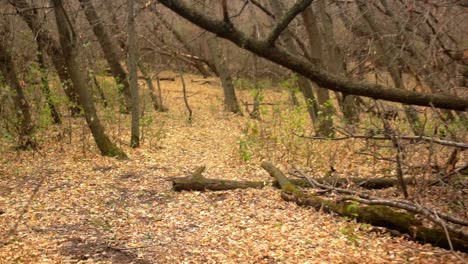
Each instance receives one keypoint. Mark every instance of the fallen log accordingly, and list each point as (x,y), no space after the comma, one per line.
(167,78)
(377,215)
(202,184)
(206,81)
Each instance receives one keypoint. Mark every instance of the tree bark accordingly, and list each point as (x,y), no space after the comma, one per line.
(304,84)
(325,104)
(23,111)
(376,215)
(202,184)
(110,53)
(47,43)
(70,53)
(231,103)
(335,62)
(54,113)
(132,66)
(178,36)
(390,58)
(430,76)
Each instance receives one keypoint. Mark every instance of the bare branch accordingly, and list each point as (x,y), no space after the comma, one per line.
(296,9)
(431,214)
(442,142)
(310,70)
(264,9)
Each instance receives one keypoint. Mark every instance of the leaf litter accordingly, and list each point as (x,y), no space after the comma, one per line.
(67,204)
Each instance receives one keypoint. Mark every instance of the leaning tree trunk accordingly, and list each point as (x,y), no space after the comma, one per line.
(26,127)
(335,62)
(110,53)
(323,96)
(230,99)
(430,75)
(47,43)
(178,36)
(70,52)
(156,97)
(46,89)
(132,66)
(304,84)
(390,58)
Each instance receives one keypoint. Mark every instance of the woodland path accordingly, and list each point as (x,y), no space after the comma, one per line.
(66,205)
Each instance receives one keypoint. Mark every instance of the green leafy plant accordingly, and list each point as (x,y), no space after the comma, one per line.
(350,235)
(244,148)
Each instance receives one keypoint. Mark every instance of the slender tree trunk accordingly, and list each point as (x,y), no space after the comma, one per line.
(47,43)
(26,127)
(132,66)
(98,87)
(110,52)
(326,109)
(430,77)
(184,92)
(178,36)
(304,84)
(335,62)
(277,54)
(70,53)
(46,89)
(257,90)
(389,56)
(230,99)
(155,97)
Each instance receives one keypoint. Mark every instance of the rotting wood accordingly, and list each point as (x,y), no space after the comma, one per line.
(376,215)
(201,183)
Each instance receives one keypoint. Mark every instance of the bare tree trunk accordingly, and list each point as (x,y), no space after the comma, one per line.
(268,50)
(47,43)
(178,36)
(230,99)
(110,51)
(257,90)
(155,97)
(335,62)
(98,87)
(431,78)
(304,84)
(23,112)
(390,58)
(184,92)
(132,66)
(46,89)
(323,96)
(70,53)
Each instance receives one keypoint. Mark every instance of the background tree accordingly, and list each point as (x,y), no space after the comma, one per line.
(23,111)
(70,51)
(110,52)
(132,65)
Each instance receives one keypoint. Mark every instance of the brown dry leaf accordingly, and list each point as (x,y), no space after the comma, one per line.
(68,204)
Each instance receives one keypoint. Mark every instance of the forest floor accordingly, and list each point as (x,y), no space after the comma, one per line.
(66,204)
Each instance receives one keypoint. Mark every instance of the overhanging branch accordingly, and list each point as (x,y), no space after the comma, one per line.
(312,71)
(296,9)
